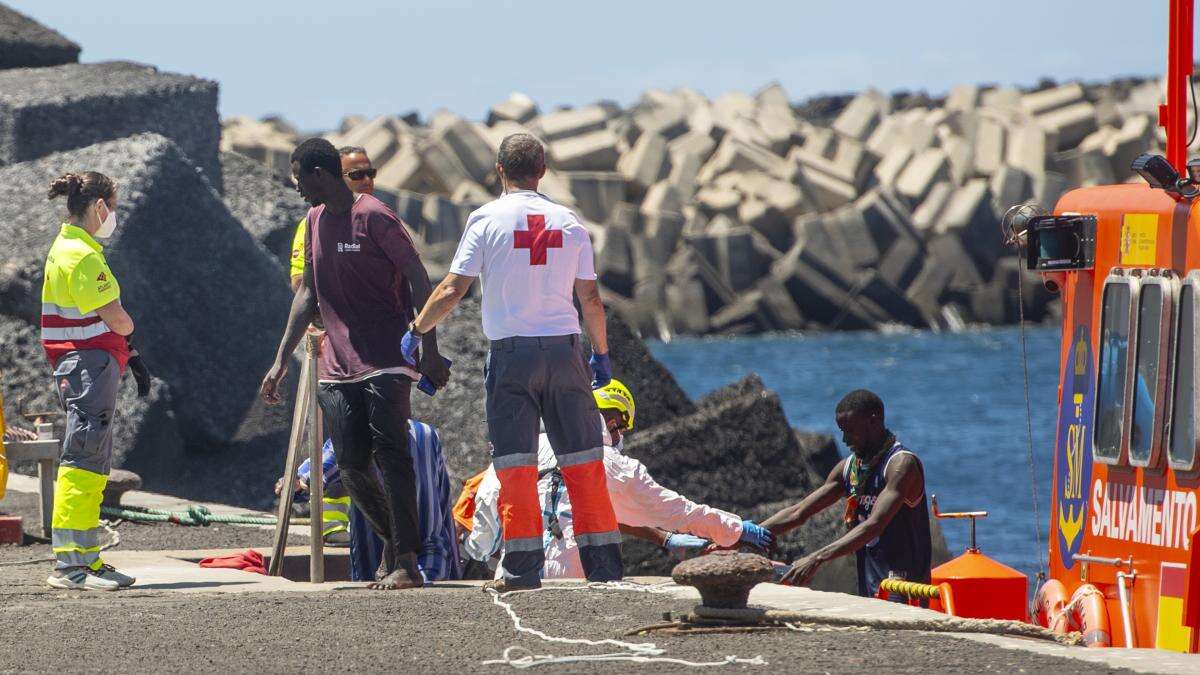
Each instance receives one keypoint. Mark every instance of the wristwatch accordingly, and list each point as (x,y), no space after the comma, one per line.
(412,328)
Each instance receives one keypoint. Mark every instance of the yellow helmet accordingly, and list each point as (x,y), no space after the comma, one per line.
(616,396)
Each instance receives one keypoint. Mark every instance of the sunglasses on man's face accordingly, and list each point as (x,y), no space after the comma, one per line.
(359,174)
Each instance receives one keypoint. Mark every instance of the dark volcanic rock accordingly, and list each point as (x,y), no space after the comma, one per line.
(823,109)
(25,43)
(262,203)
(733,453)
(45,110)
(208,303)
(820,451)
(457,412)
(659,398)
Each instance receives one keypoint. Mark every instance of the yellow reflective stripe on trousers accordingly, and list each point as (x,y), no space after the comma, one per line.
(76,535)
(335,515)
(77,496)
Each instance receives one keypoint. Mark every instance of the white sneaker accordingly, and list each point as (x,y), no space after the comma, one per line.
(111,574)
(79,579)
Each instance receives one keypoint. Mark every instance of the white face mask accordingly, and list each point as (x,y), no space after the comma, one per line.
(108,226)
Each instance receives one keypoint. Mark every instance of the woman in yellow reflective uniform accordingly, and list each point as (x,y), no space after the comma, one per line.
(85,335)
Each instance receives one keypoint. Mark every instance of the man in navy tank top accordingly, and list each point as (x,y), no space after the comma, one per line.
(887,517)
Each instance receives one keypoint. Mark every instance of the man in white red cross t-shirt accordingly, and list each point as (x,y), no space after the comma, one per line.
(532,255)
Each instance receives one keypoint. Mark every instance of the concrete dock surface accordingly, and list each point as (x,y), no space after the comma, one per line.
(180,616)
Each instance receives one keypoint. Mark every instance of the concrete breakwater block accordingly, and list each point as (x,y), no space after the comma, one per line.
(260,141)
(267,208)
(734,436)
(596,193)
(471,148)
(594,151)
(518,107)
(45,110)
(567,123)
(25,43)
(207,322)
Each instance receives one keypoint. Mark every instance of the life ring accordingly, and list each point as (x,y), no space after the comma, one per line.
(1048,605)
(1084,612)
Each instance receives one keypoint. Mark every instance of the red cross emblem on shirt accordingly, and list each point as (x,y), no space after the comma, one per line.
(537,239)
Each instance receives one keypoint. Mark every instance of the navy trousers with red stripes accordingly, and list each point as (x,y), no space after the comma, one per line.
(532,379)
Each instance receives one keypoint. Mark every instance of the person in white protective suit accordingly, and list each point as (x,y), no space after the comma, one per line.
(643,507)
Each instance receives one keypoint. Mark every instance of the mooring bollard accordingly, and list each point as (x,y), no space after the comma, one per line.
(724,578)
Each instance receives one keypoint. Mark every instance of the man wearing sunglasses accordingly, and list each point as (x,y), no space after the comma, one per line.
(357,170)
(359,175)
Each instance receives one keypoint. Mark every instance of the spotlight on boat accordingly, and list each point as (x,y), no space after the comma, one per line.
(1014,226)
(1160,175)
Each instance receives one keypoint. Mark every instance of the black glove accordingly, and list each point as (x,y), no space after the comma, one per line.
(141,374)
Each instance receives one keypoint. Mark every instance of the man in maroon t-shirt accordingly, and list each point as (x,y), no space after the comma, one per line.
(363,273)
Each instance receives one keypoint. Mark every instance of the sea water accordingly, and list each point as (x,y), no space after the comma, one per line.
(956,399)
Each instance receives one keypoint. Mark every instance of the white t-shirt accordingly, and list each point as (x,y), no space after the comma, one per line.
(528,251)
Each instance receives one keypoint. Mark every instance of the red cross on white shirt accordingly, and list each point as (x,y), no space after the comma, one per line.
(537,238)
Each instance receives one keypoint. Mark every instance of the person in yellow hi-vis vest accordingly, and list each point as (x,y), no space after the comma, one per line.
(85,333)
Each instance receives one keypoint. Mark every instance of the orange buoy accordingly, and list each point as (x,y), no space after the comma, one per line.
(984,588)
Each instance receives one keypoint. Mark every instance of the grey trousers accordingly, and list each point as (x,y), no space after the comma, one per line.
(87,382)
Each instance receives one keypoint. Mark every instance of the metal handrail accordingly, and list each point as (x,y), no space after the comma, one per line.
(937,513)
(1100,560)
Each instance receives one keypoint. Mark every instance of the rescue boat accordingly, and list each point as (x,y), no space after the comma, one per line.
(1123,565)
(1123,509)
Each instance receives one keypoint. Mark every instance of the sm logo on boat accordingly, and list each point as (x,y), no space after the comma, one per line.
(1074,452)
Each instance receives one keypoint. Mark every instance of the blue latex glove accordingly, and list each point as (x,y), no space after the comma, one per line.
(679,542)
(601,370)
(409,345)
(757,535)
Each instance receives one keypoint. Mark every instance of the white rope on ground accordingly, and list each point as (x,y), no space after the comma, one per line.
(636,652)
(519,657)
(112,531)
